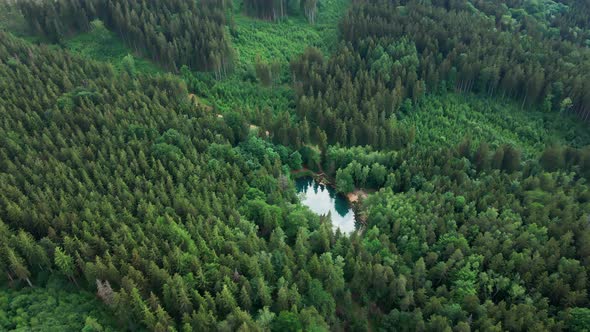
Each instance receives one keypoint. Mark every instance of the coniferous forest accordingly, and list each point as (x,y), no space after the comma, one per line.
(150,150)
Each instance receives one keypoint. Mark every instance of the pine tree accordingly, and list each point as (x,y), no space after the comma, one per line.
(64,263)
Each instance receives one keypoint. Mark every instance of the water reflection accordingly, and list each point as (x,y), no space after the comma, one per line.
(323,200)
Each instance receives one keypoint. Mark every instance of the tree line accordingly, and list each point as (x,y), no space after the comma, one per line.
(388,58)
(563,19)
(172,33)
(274,10)
(468,52)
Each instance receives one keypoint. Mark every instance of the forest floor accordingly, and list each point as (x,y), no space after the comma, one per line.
(357,196)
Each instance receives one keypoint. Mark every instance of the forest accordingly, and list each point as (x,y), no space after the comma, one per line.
(172,33)
(149,151)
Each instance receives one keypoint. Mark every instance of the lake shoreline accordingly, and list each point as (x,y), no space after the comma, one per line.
(354,198)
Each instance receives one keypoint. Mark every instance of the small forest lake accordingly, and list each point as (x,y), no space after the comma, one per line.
(323,199)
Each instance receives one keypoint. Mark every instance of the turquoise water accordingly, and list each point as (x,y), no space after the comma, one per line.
(323,200)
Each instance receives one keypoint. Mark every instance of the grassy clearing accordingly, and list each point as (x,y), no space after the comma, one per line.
(272,42)
(280,41)
(250,37)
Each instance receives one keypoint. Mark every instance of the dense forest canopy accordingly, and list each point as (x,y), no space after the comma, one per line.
(378,67)
(161,196)
(389,58)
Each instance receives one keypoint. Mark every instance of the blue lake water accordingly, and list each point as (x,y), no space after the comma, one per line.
(322,200)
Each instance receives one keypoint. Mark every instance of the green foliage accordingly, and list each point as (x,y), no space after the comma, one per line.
(189,176)
(286,321)
(241,92)
(344,181)
(387,62)
(279,42)
(128,64)
(578,319)
(11,19)
(172,33)
(55,307)
(270,42)
(282,41)
(180,213)
(64,262)
(103,45)
(443,120)
(479,54)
